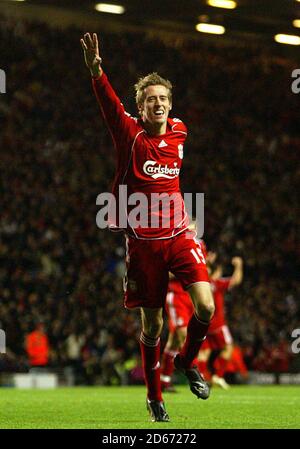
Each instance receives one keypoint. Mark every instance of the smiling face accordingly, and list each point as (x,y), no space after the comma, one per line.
(155,108)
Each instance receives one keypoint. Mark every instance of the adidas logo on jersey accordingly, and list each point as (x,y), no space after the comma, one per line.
(162,144)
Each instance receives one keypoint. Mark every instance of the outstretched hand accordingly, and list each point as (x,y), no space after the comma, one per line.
(91,53)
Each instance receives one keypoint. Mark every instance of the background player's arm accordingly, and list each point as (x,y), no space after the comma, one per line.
(237,275)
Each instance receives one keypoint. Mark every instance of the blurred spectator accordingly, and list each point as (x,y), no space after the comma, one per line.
(37,347)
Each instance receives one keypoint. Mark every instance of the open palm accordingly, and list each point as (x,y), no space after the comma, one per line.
(91,52)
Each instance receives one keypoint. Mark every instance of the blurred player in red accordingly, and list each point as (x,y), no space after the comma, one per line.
(236,367)
(219,342)
(149,152)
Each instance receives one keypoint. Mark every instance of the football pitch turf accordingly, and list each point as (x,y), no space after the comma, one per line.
(242,407)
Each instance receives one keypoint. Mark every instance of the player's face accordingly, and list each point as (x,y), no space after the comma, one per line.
(156,106)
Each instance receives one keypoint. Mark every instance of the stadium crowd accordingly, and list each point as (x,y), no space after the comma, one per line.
(58,268)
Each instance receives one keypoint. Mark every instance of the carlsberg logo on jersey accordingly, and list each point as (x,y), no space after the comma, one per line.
(160,171)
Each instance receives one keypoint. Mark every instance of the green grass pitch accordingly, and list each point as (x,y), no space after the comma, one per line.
(242,407)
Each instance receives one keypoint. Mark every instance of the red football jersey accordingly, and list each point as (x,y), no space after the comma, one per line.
(219,288)
(146,164)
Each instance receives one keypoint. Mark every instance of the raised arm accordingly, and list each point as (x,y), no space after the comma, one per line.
(237,275)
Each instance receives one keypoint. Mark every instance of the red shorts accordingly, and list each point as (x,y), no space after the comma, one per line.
(148,263)
(217,339)
(179,308)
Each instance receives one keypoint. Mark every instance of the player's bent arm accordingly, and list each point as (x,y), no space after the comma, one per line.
(237,275)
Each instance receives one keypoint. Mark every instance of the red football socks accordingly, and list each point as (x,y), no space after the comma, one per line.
(150,351)
(167,366)
(221,366)
(202,368)
(196,332)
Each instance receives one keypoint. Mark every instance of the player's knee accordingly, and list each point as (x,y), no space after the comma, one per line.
(210,309)
(203,301)
(153,328)
(205,310)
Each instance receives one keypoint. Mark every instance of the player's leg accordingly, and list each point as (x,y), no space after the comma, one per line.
(179,309)
(202,359)
(187,263)
(196,332)
(152,321)
(224,349)
(152,324)
(212,359)
(221,366)
(199,323)
(145,286)
(173,345)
